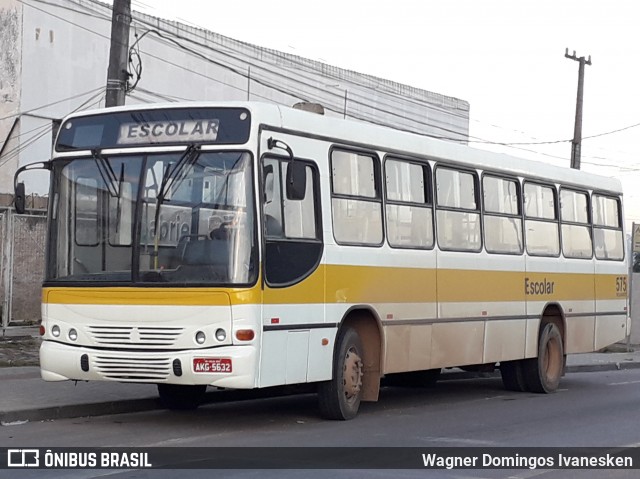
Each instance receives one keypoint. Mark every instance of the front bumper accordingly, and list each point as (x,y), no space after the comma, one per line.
(61,362)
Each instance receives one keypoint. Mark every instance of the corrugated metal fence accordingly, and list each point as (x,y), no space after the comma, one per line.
(22,259)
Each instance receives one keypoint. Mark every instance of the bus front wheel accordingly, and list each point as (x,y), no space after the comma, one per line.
(178,397)
(340,397)
(542,374)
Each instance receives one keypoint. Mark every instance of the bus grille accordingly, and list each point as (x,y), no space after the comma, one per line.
(126,336)
(130,369)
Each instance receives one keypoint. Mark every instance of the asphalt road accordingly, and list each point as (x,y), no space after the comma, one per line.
(596,409)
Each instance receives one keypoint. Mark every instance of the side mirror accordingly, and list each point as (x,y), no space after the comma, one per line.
(20,199)
(296,181)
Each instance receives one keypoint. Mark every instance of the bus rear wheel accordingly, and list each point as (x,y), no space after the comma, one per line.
(340,397)
(178,397)
(542,374)
(513,375)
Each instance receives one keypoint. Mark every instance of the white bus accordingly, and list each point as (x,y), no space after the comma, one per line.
(247,245)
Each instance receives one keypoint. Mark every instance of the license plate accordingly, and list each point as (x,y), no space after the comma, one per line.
(212,365)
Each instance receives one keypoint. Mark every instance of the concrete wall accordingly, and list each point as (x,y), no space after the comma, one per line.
(56,63)
(10,74)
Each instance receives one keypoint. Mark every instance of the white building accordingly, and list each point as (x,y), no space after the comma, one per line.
(54,58)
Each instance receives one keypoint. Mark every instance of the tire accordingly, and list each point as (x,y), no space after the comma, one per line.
(178,397)
(414,379)
(513,375)
(542,374)
(339,398)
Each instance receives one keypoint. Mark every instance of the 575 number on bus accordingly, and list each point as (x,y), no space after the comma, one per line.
(621,285)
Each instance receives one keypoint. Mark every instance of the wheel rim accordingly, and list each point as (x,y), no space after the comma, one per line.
(552,362)
(352,375)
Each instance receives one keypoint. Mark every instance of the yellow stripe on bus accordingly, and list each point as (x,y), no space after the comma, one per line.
(368,284)
(136,296)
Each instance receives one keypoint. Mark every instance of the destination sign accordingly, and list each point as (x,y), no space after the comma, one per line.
(156,126)
(168,132)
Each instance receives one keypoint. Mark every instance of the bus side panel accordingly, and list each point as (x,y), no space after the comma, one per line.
(548,282)
(575,293)
(408,347)
(504,340)
(486,303)
(611,302)
(457,343)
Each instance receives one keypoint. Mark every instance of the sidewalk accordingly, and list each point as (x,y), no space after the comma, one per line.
(24,396)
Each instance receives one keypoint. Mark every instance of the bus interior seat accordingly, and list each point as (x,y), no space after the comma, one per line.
(205,251)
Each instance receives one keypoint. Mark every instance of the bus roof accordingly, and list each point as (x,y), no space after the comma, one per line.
(391,140)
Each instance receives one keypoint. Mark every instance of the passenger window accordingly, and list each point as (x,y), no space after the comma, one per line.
(502,218)
(576,229)
(607,228)
(457,211)
(541,223)
(408,208)
(356,205)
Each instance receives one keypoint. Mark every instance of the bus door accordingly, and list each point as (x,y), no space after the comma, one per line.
(293,279)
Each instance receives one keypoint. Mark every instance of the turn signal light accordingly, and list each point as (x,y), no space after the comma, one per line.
(245,334)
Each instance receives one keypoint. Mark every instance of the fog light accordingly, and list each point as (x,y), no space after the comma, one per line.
(73,334)
(200,337)
(55,331)
(221,334)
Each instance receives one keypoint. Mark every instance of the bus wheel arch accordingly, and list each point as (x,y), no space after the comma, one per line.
(356,367)
(542,374)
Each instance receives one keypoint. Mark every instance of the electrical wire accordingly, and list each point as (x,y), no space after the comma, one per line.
(177,44)
(337,110)
(50,104)
(49,127)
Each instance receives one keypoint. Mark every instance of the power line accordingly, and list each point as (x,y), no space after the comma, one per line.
(50,104)
(157,29)
(175,44)
(27,143)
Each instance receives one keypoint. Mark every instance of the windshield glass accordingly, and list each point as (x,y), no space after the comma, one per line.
(181,218)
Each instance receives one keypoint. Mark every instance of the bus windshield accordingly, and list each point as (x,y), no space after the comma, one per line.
(178,218)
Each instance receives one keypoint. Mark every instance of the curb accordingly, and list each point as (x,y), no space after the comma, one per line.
(151,404)
(78,410)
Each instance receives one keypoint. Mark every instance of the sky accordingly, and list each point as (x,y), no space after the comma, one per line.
(505,57)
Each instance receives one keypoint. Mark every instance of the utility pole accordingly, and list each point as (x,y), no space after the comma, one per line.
(117,74)
(576,144)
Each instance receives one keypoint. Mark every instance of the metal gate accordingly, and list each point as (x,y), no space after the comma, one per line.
(22,261)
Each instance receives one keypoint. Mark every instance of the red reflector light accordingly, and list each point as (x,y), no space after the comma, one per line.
(42,331)
(245,334)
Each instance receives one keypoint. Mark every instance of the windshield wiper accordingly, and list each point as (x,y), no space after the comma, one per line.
(169,178)
(106,172)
